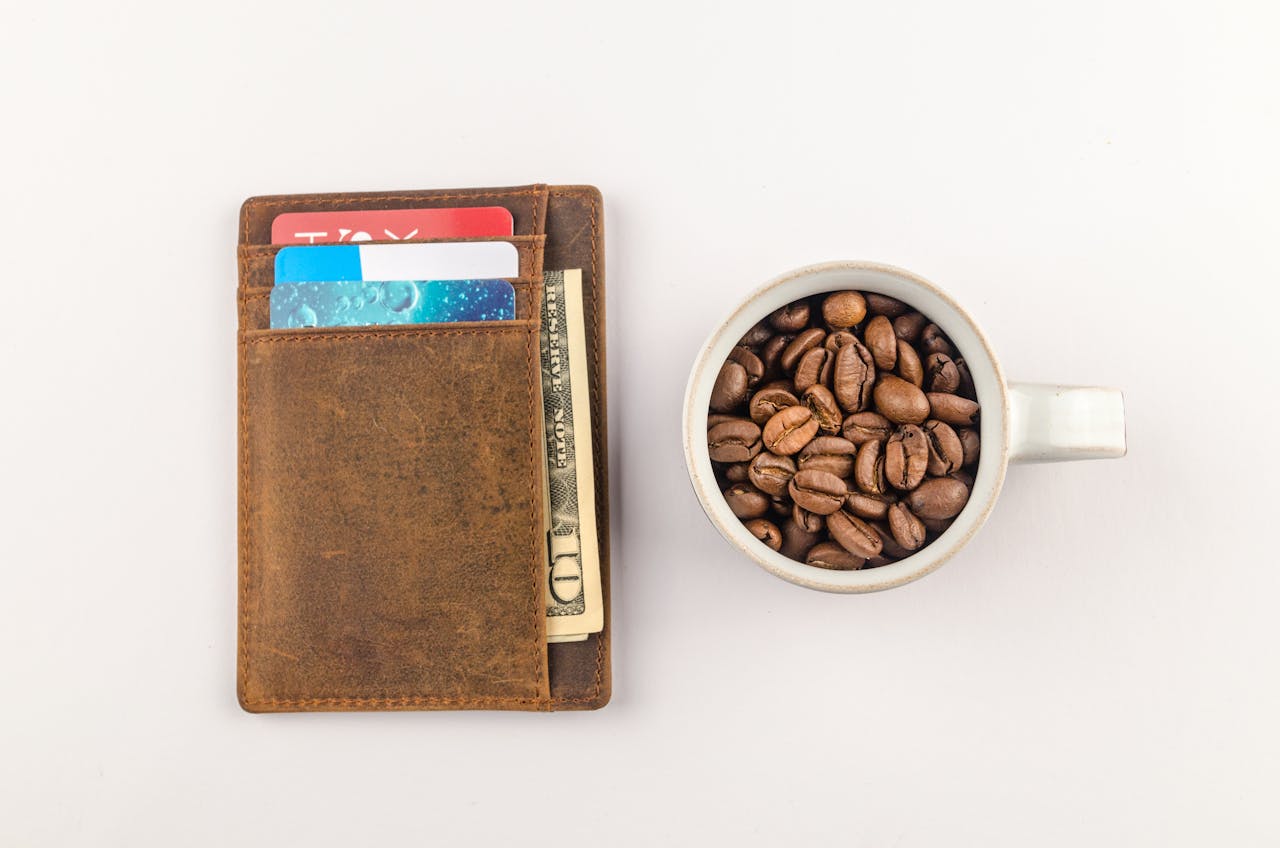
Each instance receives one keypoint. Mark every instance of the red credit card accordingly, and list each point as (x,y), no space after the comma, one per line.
(390,225)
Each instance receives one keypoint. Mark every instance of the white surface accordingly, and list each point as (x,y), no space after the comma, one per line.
(1096,181)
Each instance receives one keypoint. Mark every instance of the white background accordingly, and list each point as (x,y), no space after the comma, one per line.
(1096,181)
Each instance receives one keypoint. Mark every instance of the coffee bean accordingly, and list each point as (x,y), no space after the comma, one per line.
(823,406)
(838,339)
(843,310)
(882,342)
(963,476)
(791,318)
(906,457)
(766,403)
(771,473)
(946,453)
(814,368)
(800,345)
(736,473)
(938,497)
(909,367)
(908,327)
(730,388)
(970,442)
(810,522)
(771,353)
(734,441)
(882,304)
(853,534)
(937,526)
(900,401)
(827,453)
(889,546)
(953,409)
(832,556)
(868,507)
(746,500)
(750,363)
(796,541)
(756,335)
(908,531)
(789,430)
(867,426)
(932,340)
(854,376)
(817,491)
(940,373)
(715,418)
(966,380)
(766,531)
(868,468)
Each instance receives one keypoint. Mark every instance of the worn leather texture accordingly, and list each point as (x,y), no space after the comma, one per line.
(392,539)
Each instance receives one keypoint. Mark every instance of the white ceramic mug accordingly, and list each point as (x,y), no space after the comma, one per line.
(1020,422)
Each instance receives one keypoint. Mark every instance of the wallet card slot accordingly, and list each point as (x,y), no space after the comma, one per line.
(527,205)
(257,261)
(391,527)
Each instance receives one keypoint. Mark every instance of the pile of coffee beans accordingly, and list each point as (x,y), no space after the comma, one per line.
(841,428)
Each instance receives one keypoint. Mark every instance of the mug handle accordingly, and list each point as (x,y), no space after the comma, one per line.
(1051,423)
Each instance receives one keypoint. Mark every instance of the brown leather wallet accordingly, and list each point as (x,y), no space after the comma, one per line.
(392,544)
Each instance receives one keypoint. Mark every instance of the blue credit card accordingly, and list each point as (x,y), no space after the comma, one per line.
(353,303)
(461,260)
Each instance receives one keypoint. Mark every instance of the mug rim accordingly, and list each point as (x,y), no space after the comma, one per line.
(992,464)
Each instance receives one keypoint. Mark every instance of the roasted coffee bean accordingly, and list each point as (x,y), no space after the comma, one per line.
(877,561)
(838,339)
(766,531)
(900,401)
(756,335)
(953,409)
(938,497)
(766,403)
(908,531)
(940,373)
(791,318)
(909,367)
(746,500)
(966,380)
(810,522)
(908,327)
(937,526)
(853,534)
(963,476)
(796,541)
(868,507)
(771,353)
(715,418)
(882,342)
(868,468)
(827,453)
(817,491)
(854,376)
(814,368)
(882,304)
(932,340)
(771,473)
(730,389)
(867,426)
(832,556)
(735,441)
(824,408)
(946,453)
(750,363)
(789,430)
(906,457)
(888,545)
(800,345)
(970,442)
(843,310)
(736,473)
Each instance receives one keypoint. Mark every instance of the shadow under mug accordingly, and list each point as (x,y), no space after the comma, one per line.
(1020,422)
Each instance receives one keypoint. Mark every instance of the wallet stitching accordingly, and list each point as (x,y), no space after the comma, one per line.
(404,700)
